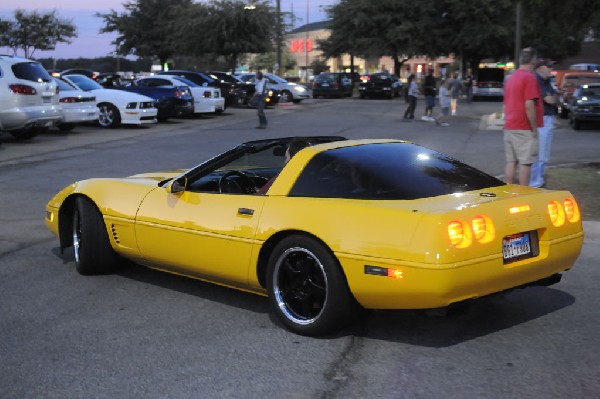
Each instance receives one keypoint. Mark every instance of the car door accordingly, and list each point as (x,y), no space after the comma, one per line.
(207,235)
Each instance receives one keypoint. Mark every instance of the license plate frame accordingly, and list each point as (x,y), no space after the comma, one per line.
(518,246)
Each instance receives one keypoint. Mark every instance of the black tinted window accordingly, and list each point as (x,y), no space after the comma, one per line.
(32,71)
(398,171)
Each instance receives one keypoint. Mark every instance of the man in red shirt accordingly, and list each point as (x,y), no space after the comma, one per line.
(523,114)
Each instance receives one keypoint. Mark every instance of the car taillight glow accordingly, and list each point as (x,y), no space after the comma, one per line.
(395,273)
(520,208)
(70,100)
(462,233)
(483,229)
(179,93)
(572,210)
(22,89)
(556,213)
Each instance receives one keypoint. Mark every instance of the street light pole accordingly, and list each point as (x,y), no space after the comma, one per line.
(278,38)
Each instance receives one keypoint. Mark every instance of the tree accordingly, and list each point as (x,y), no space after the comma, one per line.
(34,30)
(396,28)
(236,27)
(148,28)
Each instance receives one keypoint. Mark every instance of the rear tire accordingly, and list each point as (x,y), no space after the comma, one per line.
(91,246)
(575,123)
(66,127)
(24,134)
(307,287)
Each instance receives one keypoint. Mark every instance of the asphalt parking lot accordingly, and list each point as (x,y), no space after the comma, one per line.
(142,333)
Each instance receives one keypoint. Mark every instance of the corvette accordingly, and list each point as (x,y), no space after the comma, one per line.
(345,225)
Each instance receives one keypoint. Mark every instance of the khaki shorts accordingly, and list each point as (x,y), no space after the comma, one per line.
(520,146)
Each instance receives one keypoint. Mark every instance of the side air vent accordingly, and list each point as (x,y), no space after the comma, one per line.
(115,235)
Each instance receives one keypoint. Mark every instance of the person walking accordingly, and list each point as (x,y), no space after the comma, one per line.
(550,99)
(429,89)
(445,101)
(262,85)
(455,89)
(413,92)
(523,115)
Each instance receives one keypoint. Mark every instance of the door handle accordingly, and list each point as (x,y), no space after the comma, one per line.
(246,211)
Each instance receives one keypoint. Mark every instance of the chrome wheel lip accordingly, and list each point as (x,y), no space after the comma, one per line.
(76,235)
(289,313)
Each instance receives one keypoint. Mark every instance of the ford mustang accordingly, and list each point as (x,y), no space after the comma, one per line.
(345,225)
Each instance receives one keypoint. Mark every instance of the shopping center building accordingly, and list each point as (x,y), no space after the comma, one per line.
(302,46)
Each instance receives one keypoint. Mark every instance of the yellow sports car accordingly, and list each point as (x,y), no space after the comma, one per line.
(342,226)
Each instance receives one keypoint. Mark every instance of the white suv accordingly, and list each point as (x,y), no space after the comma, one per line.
(28,98)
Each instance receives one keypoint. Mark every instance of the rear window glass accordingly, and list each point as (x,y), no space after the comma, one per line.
(395,171)
(31,71)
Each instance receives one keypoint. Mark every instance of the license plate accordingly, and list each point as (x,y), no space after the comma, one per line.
(46,100)
(325,84)
(516,247)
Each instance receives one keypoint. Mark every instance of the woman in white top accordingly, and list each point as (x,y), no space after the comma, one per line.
(262,87)
(413,92)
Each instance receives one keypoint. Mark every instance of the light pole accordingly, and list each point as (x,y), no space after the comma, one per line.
(278,37)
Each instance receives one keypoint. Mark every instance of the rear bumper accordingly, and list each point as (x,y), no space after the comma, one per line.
(424,286)
(21,117)
(81,114)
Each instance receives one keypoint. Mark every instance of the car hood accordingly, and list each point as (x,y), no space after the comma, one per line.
(588,101)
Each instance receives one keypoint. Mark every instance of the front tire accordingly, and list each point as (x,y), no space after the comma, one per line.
(307,288)
(109,116)
(91,246)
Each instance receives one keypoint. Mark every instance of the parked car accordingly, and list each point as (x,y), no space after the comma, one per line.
(379,85)
(346,225)
(585,105)
(117,106)
(567,82)
(332,84)
(173,99)
(239,90)
(489,82)
(77,105)
(207,99)
(288,91)
(228,91)
(79,71)
(28,98)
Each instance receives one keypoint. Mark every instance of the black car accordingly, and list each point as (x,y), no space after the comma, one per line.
(379,85)
(228,90)
(332,84)
(585,105)
(240,91)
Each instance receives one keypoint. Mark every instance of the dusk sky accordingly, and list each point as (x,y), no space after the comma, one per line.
(90,44)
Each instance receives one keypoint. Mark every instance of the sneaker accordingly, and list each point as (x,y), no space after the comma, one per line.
(444,124)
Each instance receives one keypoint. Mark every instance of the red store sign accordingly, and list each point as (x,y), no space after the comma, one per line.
(301,46)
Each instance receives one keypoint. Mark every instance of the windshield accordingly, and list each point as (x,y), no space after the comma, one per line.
(64,86)
(185,81)
(84,83)
(275,78)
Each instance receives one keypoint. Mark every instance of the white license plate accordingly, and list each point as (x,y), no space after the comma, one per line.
(325,84)
(46,100)
(515,247)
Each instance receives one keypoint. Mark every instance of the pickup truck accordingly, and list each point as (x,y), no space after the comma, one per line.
(171,101)
(569,80)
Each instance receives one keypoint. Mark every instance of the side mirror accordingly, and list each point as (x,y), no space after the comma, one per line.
(177,185)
